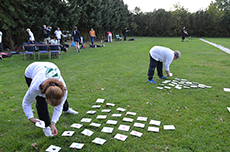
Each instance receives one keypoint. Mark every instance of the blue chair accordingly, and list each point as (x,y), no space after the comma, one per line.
(54,49)
(28,50)
(42,50)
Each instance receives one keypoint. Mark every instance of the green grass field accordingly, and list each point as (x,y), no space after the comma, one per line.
(118,73)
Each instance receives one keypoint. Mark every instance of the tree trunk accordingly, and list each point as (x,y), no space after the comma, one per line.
(8,40)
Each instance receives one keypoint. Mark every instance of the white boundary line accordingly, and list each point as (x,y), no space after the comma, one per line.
(227,50)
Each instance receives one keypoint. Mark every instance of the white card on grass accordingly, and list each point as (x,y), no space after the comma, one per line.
(136,133)
(120,109)
(120,137)
(110,104)
(99,141)
(86,119)
(106,110)
(155,122)
(75,125)
(91,112)
(111,122)
(116,115)
(101,116)
(76,145)
(178,87)
(169,127)
(87,132)
(227,89)
(107,129)
(153,129)
(95,124)
(128,119)
(124,127)
(67,133)
(100,100)
(96,106)
(166,87)
(142,118)
(160,88)
(141,125)
(131,113)
(53,148)
(228,109)
(40,124)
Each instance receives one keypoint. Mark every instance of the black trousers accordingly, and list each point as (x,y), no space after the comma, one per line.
(42,106)
(152,65)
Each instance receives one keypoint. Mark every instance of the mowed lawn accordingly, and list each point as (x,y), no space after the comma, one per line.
(118,74)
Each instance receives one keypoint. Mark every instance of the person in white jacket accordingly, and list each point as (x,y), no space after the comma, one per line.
(158,55)
(47,86)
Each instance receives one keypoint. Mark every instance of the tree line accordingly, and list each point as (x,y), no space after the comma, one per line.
(107,15)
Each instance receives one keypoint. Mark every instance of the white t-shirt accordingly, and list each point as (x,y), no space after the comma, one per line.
(31,36)
(58,34)
(0,37)
(162,54)
(39,72)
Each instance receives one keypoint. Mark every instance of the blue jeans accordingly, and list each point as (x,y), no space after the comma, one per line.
(92,40)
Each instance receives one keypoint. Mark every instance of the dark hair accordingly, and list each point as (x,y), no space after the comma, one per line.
(54,91)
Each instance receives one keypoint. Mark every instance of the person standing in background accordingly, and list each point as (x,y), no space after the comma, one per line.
(183,34)
(76,36)
(31,36)
(1,48)
(110,38)
(125,33)
(46,33)
(92,35)
(58,34)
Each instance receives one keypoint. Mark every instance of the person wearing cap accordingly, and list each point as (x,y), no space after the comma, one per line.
(158,55)
(47,86)
(31,36)
(46,33)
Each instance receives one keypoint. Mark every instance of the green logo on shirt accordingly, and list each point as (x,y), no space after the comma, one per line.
(51,72)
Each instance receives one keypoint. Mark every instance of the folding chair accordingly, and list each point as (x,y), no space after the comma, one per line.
(42,50)
(28,50)
(54,49)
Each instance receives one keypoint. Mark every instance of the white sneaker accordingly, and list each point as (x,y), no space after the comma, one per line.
(47,131)
(71,111)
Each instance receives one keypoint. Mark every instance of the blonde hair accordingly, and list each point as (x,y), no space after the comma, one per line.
(54,91)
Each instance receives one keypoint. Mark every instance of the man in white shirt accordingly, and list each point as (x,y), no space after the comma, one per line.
(58,34)
(31,36)
(1,48)
(158,55)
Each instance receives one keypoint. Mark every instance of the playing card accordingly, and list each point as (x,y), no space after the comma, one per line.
(172,85)
(160,88)
(91,112)
(95,124)
(177,79)
(208,86)
(121,109)
(160,84)
(155,122)
(120,137)
(40,124)
(76,145)
(99,141)
(141,125)
(100,100)
(186,87)
(128,119)
(142,118)
(86,119)
(101,116)
(188,82)
(53,148)
(87,132)
(111,122)
(153,129)
(228,109)
(166,87)
(116,115)
(227,89)
(67,133)
(106,110)
(110,104)
(201,85)
(96,106)
(169,127)
(124,127)
(107,129)
(131,113)
(136,133)
(178,87)
(75,125)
